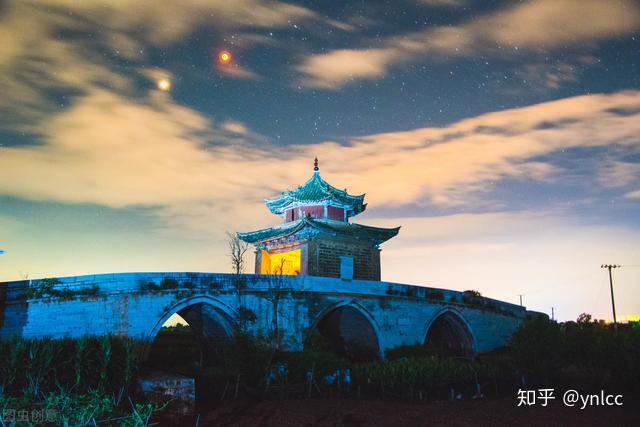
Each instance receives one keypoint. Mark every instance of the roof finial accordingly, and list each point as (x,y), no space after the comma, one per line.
(315,165)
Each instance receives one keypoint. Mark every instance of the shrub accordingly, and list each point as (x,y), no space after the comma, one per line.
(32,367)
(404,375)
(434,295)
(61,408)
(408,352)
(168,283)
(46,288)
(41,288)
(148,285)
(535,348)
(246,315)
(472,298)
(587,354)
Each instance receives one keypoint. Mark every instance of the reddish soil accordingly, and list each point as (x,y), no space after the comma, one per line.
(347,412)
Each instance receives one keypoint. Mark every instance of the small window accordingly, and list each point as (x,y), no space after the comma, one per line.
(346,267)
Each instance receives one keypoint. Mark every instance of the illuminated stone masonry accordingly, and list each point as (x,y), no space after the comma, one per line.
(316,272)
(371,316)
(316,237)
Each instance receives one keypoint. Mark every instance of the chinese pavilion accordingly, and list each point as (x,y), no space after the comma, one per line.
(316,237)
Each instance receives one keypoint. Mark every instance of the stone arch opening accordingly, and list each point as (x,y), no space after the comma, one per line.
(449,335)
(347,332)
(194,330)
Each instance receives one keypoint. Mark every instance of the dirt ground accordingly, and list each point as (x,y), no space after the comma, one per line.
(347,412)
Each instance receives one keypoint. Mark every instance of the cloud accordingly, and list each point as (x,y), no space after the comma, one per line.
(458,164)
(112,145)
(36,60)
(535,26)
(104,138)
(114,151)
(615,173)
(341,66)
(548,76)
(165,22)
(445,3)
(235,70)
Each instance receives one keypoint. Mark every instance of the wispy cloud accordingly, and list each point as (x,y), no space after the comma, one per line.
(116,152)
(445,3)
(235,70)
(35,59)
(115,145)
(548,76)
(534,26)
(616,173)
(343,66)
(456,164)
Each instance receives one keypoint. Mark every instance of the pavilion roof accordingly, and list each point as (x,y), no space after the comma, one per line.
(316,191)
(311,227)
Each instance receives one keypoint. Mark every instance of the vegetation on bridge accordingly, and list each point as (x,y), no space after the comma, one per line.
(51,288)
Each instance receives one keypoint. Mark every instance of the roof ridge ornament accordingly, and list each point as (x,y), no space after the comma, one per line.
(315,165)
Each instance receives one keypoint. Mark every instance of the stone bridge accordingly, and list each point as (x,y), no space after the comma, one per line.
(356,317)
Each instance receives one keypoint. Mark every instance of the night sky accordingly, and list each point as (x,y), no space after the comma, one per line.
(503,136)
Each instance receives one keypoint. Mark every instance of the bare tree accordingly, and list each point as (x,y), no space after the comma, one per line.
(237,249)
(275,285)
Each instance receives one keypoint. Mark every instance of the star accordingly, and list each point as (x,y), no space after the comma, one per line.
(164,85)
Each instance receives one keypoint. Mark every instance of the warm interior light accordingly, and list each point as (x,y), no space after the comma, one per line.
(286,263)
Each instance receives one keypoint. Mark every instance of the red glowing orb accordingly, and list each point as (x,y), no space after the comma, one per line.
(224,57)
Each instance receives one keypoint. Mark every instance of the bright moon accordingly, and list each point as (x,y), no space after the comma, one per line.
(224,57)
(164,85)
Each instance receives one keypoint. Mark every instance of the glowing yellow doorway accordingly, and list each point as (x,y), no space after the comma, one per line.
(287,263)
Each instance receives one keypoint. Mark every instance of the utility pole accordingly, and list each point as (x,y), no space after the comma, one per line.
(613,302)
(553,313)
(520,295)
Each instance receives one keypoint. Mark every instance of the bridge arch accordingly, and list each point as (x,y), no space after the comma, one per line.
(449,332)
(349,330)
(210,319)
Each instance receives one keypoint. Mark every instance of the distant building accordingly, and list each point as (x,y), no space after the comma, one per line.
(316,237)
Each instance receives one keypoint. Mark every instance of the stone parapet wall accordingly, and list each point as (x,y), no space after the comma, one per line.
(137,304)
